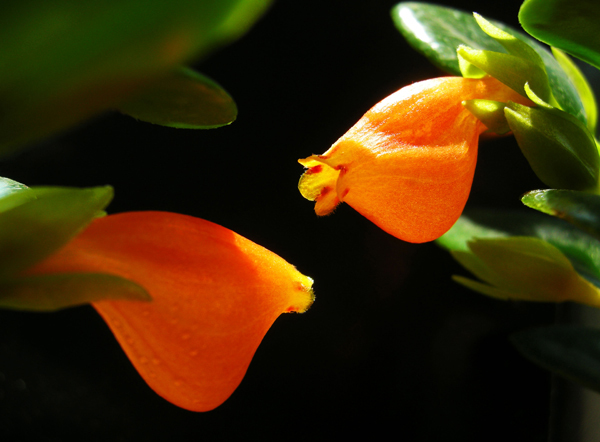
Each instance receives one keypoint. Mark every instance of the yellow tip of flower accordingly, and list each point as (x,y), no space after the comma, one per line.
(318,184)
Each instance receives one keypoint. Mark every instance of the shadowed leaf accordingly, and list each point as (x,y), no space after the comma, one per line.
(567,350)
(49,293)
(571,25)
(64,61)
(581,209)
(35,229)
(184,99)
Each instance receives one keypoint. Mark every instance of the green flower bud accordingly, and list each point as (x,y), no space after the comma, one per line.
(490,113)
(524,268)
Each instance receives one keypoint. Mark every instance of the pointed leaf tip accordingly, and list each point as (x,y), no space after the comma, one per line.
(579,208)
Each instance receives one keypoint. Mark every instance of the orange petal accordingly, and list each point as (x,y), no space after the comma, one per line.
(408,163)
(215,295)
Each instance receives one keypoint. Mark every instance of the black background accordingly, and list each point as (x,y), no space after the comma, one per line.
(392,348)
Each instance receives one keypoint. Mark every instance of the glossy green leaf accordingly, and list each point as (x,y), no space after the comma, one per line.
(570,25)
(35,229)
(184,99)
(63,60)
(8,186)
(581,209)
(567,350)
(582,250)
(47,293)
(559,148)
(583,88)
(8,194)
(437,31)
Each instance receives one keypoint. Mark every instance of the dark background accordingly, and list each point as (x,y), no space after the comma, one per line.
(392,348)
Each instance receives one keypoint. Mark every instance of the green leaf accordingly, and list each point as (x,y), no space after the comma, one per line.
(64,61)
(8,186)
(581,209)
(582,250)
(33,230)
(438,31)
(509,42)
(184,99)
(47,293)
(571,25)
(13,193)
(567,350)
(583,88)
(559,148)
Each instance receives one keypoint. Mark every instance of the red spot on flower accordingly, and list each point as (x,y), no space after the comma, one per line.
(315,169)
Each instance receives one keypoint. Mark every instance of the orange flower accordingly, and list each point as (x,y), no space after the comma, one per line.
(407,165)
(215,295)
